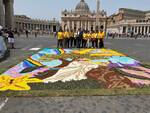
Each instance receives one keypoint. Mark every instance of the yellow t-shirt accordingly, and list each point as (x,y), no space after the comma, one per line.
(71,34)
(60,35)
(89,35)
(66,35)
(84,35)
(94,35)
(101,35)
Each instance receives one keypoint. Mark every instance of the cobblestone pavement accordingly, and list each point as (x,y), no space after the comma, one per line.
(113,104)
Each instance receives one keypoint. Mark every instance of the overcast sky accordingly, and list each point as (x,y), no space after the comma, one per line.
(48,9)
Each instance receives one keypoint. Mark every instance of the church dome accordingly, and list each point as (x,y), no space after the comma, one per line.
(82,6)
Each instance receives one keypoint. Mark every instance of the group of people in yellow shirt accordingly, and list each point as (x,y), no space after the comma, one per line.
(80,39)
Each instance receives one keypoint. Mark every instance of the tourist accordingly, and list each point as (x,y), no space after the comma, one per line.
(66,39)
(11,39)
(71,42)
(75,38)
(79,38)
(27,33)
(101,36)
(5,34)
(84,40)
(96,40)
(35,34)
(93,39)
(88,39)
(60,39)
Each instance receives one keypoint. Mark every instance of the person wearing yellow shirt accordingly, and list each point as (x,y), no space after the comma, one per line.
(96,39)
(88,39)
(85,36)
(60,39)
(66,39)
(94,36)
(71,40)
(101,36)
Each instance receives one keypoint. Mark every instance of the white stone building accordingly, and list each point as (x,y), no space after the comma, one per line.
(129,20)
(82,17)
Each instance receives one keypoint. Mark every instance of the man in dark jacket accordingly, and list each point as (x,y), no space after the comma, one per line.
(79,38)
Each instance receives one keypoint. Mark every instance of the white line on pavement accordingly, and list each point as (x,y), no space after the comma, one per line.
(3,103)
(35,49)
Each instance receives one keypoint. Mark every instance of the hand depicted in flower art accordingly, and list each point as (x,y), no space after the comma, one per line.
(138,75)
(109,78)
(17,84)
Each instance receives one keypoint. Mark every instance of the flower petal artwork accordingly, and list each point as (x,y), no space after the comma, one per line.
(106,67)
(19,83)
(74,71)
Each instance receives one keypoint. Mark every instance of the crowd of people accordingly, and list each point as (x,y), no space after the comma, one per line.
(80,39)
(66,39)
(8,35)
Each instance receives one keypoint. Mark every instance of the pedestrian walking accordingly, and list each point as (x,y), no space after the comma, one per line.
(11,39)
(35,34)
(27,33)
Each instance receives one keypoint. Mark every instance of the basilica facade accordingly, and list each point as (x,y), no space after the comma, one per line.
(82,17)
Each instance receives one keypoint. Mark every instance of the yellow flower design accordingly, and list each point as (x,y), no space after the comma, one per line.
(106,53)
(82,51)
(17,84)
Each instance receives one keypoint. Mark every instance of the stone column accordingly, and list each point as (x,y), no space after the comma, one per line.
(89,26)
(141,29)
(2,15)
(85,25)
(144,30)
(148,29)
(94,26)
(68,25)
(137,29)
(62,25)
(9,13)
(73,24)
(127,29)
(78,25)
(52,28)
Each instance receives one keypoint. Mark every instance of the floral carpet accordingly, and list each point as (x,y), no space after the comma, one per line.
(87,68)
